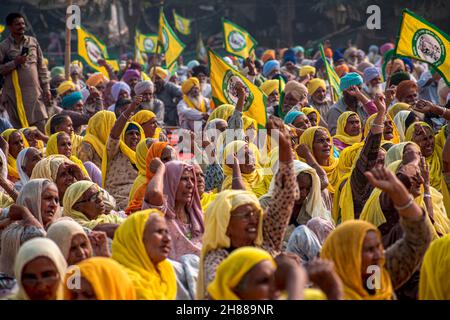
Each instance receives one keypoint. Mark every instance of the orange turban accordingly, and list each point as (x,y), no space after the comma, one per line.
(96,79)
(342,70)
(268,55)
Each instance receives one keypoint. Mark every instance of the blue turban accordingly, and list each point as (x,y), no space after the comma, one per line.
(337,55)
(289,55)
(371,73)
(373,48)
(409,63)
(350,79)
(298,49)
(319,63)
(291,116)
(71,99)
(269,66)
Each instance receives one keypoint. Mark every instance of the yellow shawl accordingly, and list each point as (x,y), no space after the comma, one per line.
(19,100)
(141,154)
(75,138)
(73,193)
(343,136)
(231,271)
(190,104)
(150,282)
(52,148)
(332,168)
(217,217)
(253,181)
(12,165)
(344,247)
(434,282)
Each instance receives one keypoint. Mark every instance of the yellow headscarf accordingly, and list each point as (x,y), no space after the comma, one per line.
(217,217)
(332,168)
(75,138)
(73,193)
(108,279)
(440,138)
(124,148)
(206,199)
(35,248)
(373,213)
(434,282)
(141,155)
(344,247)
(144,116)
(231,271)
(222,112)
(253,181)
(437,179)
(368,125)
(347,158)
(52,148)
(343,136)
(270,86)
(12,165)
(151,282)
(396,108)
(308,110)
(185,88)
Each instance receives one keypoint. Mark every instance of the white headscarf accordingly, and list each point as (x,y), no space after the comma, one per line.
(31,195)
(4,172)
(35,248)
(24,178)
(314,205)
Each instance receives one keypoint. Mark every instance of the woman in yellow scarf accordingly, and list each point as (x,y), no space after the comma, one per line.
(250,171)
(396,108)
(101,279)
(235,268)
(149,123)
(44,254)
(390,134)
(83,202)
(60,143)
(313,115)
(16,142)
(348,131)
(63,122)
(319,142)
(441,136)
(345,247)
(223,112)
(139,246)
(141,154)
(422,134)
(434,283)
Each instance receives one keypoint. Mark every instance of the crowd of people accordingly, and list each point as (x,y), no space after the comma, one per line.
(128,186)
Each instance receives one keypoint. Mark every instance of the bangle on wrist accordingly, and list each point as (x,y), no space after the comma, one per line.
(405,206)
(381,126)
(427,195)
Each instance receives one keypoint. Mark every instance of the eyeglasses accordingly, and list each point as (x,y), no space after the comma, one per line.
(92,198)
(31,282)
(245,215)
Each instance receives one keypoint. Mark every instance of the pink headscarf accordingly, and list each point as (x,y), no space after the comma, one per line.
(174,171)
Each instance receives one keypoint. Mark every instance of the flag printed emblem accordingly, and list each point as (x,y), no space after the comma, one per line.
(230,80)
(428,46)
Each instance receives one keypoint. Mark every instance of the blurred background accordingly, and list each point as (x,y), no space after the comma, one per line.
(273,23)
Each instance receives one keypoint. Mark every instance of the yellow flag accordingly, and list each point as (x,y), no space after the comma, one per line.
(183,25)
(223,83)
(2,28)
(238,42)
(146,42)
(91,49)
(168,40)
(332,76)
(421,40)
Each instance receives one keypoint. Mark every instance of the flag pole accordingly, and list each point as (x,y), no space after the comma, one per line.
(67,49)
(161,4)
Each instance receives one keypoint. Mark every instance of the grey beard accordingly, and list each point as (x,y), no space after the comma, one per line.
(197,100)
(147,105)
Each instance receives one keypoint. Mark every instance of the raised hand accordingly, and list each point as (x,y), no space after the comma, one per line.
(303,151)
(423,106)
(424,171)
(383,179)
(156,165)
(322,274)
(380,102)
(99,243)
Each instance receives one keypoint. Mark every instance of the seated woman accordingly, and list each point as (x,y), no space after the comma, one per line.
(348,131)
(16,142)
(298,120)
(249,273)
(142,244)
(26,161)
(313,115)
(173,190)
(390,132)
(18,225)
(405,151)
(355,246)
(434,282)
(149,123)
(101,279)
(63,123)
(119,165)
(402,121)
(60,143)
(83,202)
(161,150)
(40,271)
(247,167)
(235,219)
(71,239)
(422,134)
(93,146)
(318,140)
(41,197)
